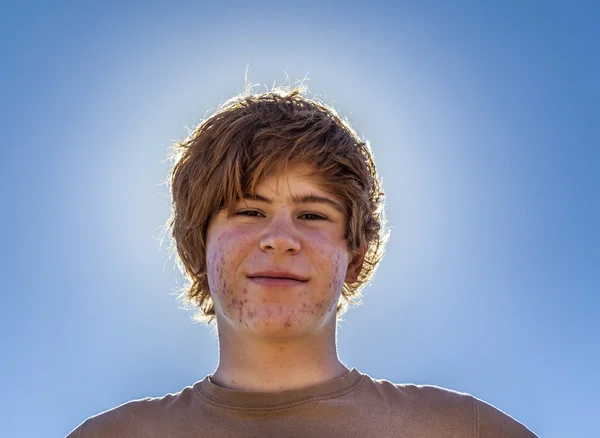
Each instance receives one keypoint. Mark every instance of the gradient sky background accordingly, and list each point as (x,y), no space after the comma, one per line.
(484,121)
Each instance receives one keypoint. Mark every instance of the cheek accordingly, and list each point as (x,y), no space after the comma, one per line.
(330,262)
(221,262)
(338,270)
(329,259)
(224,256)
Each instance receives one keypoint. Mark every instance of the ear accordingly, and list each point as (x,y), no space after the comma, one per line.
(355,266)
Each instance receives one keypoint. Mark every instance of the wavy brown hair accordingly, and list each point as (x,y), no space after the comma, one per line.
(253,136)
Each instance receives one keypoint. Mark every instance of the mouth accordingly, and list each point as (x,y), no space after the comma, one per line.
(277,279)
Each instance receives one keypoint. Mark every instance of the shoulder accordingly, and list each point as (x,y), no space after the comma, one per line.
(423,396)
(492,422)
(444,410)
(140,417)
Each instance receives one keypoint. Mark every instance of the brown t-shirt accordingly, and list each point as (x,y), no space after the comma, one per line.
(354,405)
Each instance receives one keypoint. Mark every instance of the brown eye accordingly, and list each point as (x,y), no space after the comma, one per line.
(248,213)
(313,217)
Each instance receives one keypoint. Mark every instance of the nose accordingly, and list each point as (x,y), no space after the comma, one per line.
(280,237)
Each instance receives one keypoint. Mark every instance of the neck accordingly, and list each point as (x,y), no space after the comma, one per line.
(251,363)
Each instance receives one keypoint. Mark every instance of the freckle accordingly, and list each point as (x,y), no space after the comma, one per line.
(244,291)
(246,300)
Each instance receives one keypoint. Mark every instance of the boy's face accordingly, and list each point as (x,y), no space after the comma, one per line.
(277,265)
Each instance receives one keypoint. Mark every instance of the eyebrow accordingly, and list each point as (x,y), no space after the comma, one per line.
(300,199)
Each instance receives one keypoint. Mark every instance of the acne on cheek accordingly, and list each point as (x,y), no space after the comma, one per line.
(238,305)
(313,308)
(320,306)
(222,291)
(340,270)
(215,266)
(217,281)
(337,274)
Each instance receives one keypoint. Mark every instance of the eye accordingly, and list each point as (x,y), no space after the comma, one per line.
(248,213)
(313,216)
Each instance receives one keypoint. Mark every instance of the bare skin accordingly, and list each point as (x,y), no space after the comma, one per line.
(278,334)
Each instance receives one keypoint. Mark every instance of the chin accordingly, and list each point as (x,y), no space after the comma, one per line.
(279,325)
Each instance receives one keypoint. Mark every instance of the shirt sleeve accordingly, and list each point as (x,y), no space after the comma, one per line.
(491,422)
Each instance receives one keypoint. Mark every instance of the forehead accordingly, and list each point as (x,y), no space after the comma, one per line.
(294,176)
(295,179)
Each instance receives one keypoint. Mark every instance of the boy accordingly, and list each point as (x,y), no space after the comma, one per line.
(278,221)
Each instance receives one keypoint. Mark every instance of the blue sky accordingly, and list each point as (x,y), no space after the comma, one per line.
(484,122)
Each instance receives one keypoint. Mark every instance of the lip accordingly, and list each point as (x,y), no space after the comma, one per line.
(279,282)
(283,275)
(277,278)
